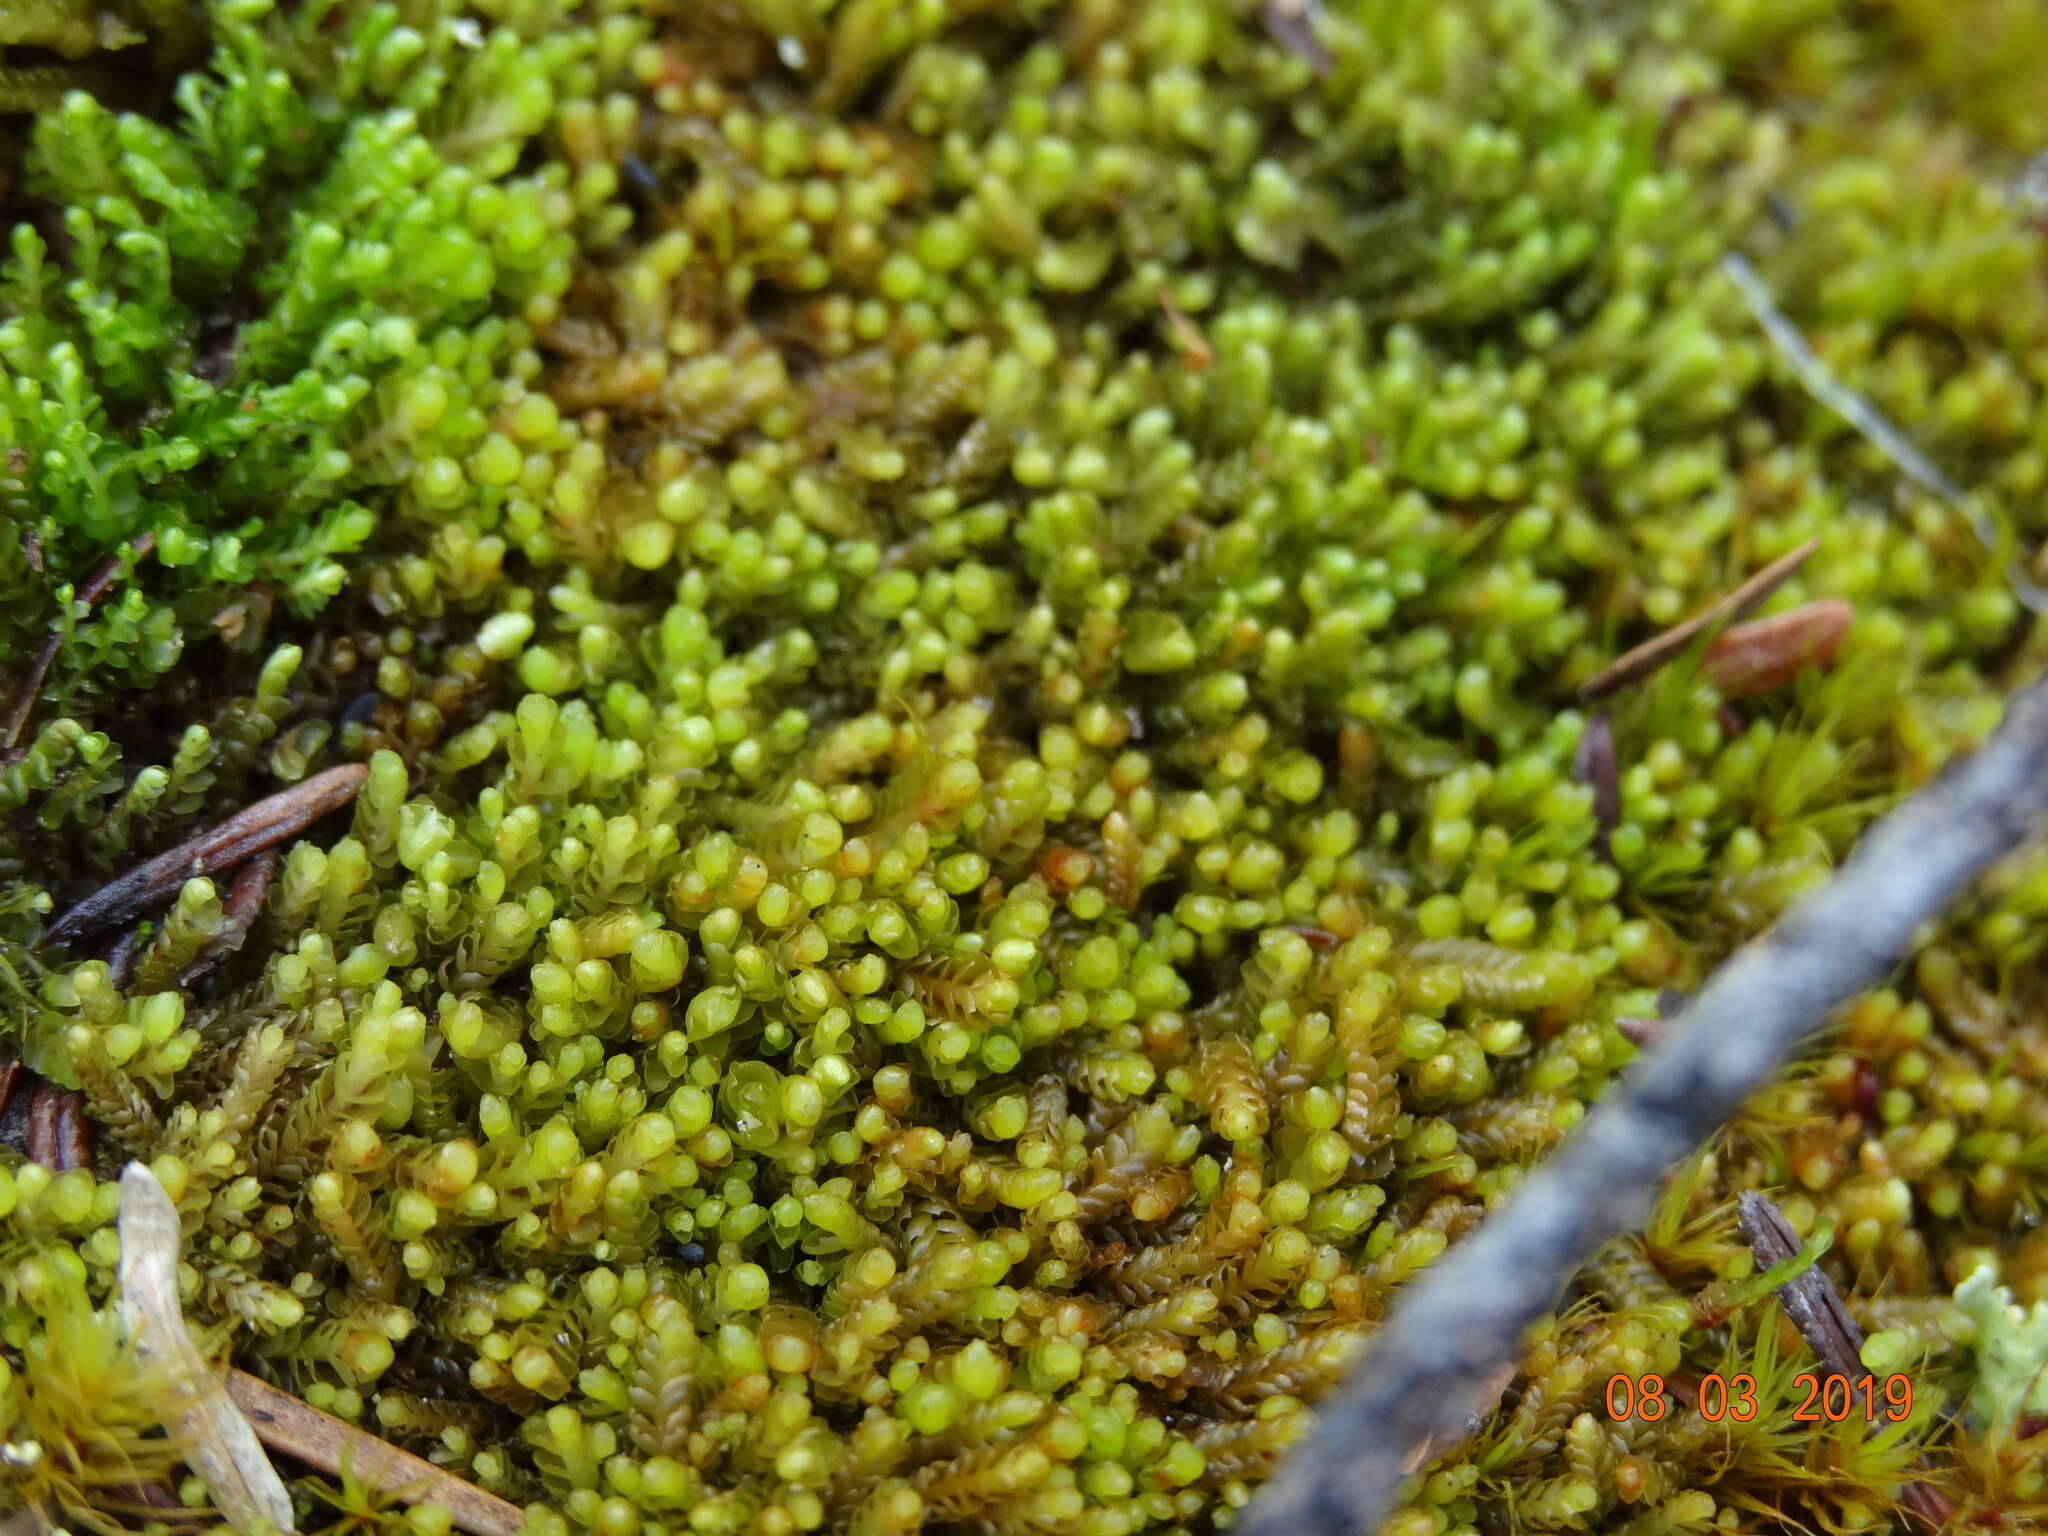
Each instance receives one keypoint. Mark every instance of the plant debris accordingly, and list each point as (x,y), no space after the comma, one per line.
(244,905)
(1748,659)
(1815,1309)
(43,1122)
(1291,24)
(1808,1299)
(218,1441)
(289,1424)
(1637,663)
(263,825)
(1593,764)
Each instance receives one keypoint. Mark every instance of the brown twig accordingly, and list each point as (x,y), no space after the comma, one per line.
(1638,663)
(1808,1298)
(1815,1309)
(89,592)
(263,825)
(288,1424)
(1430,1365)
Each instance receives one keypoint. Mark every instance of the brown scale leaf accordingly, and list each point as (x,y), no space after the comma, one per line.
(1748,659)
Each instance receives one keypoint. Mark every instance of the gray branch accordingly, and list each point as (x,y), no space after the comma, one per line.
(1427,1374)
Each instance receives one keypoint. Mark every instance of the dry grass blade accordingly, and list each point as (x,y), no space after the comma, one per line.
(204,1421)
(287,1424)
(263,825)
(1636,664)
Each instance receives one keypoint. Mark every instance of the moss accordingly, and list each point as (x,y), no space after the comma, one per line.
(965,622)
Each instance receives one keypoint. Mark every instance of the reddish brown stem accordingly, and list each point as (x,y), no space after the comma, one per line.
(89,592)
(244,905)
(263,825)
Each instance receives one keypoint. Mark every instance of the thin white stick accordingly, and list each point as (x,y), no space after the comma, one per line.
(211,1431)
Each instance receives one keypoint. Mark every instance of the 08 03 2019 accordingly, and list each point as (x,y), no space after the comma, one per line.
(1823,1398)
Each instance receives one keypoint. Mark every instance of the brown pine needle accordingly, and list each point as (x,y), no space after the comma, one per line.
(263,825)
(1634,665)
(295,1427)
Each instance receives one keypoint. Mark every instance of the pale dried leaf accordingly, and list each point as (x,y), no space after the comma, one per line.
(217,1441)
